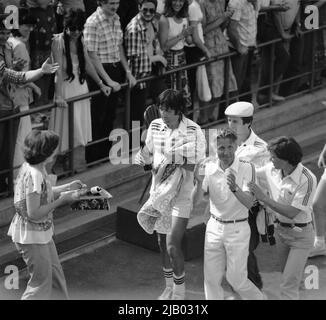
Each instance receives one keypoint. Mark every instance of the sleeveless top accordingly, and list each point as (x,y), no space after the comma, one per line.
(175,29)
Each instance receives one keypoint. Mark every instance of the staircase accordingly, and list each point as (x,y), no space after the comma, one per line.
(303,117)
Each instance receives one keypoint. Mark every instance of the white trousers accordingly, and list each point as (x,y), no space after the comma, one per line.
(227,247)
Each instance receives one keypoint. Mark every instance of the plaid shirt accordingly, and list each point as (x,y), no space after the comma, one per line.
(136,44)
(103,35)
(8,76)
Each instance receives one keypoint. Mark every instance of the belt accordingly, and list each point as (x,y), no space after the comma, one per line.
(291,225)
(227,221)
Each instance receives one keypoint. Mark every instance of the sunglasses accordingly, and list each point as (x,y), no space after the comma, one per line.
(148,10)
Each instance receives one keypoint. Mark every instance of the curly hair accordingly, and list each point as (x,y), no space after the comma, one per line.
(169,12)
(40,145)
(75,20)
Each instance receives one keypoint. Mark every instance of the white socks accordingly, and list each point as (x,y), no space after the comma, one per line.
(168,276)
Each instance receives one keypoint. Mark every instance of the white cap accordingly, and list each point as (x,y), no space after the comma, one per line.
(240,109)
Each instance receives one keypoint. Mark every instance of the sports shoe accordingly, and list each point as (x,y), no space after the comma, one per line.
(319,249)
(166,294)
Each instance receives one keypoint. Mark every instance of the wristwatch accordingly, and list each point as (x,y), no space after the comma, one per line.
(235,189)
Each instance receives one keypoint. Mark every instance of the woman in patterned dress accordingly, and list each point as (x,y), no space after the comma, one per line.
(174,31)
(31,228)
(214,17)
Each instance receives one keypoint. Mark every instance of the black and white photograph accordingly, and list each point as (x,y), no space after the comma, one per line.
(162,150)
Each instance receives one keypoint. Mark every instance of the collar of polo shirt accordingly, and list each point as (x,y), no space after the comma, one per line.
(182,125)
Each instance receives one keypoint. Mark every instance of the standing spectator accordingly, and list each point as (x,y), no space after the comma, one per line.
(69,52)
(40,43)
(319,209)
(165,140)
(197,50)
(7,77)
(22,95)
(225,179)
(140,44)
(278,25)
(174,31)
(31,228)
(214,16)
(104,42)
(292,189)
(127,10)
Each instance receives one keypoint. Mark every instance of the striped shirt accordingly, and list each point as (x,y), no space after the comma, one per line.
(103,35)
(160,139)
(254,150)
(223,203)
(136,44)
(297,190)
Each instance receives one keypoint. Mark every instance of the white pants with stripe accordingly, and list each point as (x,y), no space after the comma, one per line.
(227,247)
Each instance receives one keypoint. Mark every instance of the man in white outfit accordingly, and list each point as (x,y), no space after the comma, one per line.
(225,178)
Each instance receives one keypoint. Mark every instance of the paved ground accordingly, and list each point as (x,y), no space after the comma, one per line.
(123,271)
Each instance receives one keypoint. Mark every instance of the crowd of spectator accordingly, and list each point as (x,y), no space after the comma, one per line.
(104,43)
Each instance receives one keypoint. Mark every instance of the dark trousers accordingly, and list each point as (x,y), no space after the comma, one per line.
(103,113)
(241,65)
(138,104)
(7,152)
(253,271)
(281,56)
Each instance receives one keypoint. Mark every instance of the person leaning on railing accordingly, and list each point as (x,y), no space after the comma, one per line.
(7,108)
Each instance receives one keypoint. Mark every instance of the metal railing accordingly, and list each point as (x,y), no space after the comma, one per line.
(226,98)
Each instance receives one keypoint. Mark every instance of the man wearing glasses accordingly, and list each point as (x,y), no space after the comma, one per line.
(140,44)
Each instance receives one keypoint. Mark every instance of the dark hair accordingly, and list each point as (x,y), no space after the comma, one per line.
(286,148)
(174,100)
(141,2)
(40,145)
(24,18)
(247,120)
(226,133)
(75,19)
(169,12)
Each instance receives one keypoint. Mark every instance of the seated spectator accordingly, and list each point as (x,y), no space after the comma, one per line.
(69,52)
(22,95)
(40,43)
(140,44)
(277,25)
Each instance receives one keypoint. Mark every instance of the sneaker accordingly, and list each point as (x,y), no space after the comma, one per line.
(166,294)
(319,249)
(178,295)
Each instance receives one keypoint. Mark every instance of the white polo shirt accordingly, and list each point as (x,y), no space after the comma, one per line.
(297,190)
(254,150)
(223,202)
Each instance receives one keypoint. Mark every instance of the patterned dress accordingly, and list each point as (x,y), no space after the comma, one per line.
(217,45)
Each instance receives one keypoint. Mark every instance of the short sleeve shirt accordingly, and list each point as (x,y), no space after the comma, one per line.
(223,203)
(297,190)
(104,36)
